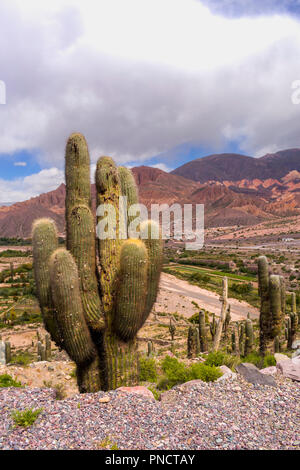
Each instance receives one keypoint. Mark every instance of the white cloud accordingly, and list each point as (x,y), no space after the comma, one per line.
(20,164)
(138,77)
(22,189)
(162,166)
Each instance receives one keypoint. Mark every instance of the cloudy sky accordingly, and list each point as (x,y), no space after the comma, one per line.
(155,82)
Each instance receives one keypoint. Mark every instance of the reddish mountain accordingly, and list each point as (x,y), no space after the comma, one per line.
(236,167)
(236,200)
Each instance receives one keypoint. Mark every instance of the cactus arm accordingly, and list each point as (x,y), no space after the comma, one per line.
(77,174)
(132,288)
(82,240)
(283,296)
(108,192)
(44,242)
(77,340)
(275,304)
(154,246)
(265,318)
(129,190)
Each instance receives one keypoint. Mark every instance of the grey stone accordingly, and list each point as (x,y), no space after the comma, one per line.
(280,357)
(2,353)
(296,344)
(272,370)
(253,375)
(227,374)
(290,368)
(296,353)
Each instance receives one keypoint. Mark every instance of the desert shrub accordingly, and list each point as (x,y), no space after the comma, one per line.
(259,361)
(220,358)
(176,373)
(242,288)
(22,359)
(195,318)
(7,381)
(155,391)
(25,418)
(204,372)
(60,391)
(148,372)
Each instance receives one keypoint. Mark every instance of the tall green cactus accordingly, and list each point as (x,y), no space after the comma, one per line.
(249,337)
(292,322)
(202,332)
(193,342)
(92,312)
(272,294)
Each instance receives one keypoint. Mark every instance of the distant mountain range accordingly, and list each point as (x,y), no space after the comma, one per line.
(236,190)
(235,167)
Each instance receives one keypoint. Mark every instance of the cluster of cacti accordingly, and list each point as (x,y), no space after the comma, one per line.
(43,347)
(202,332)
(193,342)
(95,313)
(272,309)
(172,328)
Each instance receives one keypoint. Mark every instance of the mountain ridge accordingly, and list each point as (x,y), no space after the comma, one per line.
(230,197)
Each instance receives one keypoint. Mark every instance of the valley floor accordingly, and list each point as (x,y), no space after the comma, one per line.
(176,295)
(231,414)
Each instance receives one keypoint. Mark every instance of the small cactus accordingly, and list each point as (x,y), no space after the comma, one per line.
(213,326)
(193,342)
(7,352)
(172,329)
(48,346)
(248,337)
(272,295)
(202,332)
(277,344)
(150,347)
(41,351)
(242,339)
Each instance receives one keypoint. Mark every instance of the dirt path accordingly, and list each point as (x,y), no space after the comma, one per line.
(177,295)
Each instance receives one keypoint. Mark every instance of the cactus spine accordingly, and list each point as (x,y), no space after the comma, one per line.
(95,314)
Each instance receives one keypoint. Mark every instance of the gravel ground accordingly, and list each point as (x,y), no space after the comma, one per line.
(226,415)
